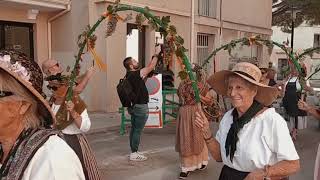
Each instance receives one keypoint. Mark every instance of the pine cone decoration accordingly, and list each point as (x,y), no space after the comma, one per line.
(111,25)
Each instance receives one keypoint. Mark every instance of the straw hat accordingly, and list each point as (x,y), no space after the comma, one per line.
(20,73)
(249,72)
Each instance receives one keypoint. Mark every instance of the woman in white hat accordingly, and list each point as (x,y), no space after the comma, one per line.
(27,151)
(253,141)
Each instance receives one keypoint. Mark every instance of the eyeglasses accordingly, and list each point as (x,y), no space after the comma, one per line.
(57,64)
(5,93)
(263,71)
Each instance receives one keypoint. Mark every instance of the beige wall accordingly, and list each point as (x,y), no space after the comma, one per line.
(65,31)
(176,6)
(249,12)
(100,95)
(113,51)
(41,38)
(17,15)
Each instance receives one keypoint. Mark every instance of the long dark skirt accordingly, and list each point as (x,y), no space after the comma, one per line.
(228,173)
(80,145)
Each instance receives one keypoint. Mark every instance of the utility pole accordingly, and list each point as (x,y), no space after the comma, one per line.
(292,28)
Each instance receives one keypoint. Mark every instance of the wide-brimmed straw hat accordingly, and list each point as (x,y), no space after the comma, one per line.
(23,76)
(249,72)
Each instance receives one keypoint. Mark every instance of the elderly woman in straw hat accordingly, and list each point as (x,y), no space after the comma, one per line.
(27,151)
(253,141)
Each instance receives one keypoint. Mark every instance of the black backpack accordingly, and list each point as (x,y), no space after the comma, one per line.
(125,92)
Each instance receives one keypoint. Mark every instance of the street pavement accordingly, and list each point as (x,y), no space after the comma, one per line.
(112,152)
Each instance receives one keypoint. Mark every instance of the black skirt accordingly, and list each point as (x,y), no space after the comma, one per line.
(228,173)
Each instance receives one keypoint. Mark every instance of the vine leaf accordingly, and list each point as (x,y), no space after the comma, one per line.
(153,25)
(110,9)
(179,40)
(172,30)
(165,21)
(183,75)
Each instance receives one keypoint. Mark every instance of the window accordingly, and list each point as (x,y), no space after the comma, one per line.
(207,8)
(17,36)
(204,46)
(282,67)
(316,42)
(315,63)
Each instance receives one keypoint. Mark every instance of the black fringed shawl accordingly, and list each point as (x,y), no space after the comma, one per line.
(237,125)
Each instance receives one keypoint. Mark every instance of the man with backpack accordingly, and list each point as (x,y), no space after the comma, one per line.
(138,109)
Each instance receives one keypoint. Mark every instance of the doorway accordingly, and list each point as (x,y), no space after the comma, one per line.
(136,43)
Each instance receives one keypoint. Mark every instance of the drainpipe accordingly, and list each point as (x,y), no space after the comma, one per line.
(220,36)
(192,32)
(50,20)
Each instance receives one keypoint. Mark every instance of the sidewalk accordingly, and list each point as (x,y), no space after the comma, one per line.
(102,122)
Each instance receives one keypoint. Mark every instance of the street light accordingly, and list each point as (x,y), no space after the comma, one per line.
(293,12)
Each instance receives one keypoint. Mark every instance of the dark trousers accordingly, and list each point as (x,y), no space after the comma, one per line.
(139,115)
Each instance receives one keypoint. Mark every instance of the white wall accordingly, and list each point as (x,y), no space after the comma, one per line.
(303,39)
(303,36)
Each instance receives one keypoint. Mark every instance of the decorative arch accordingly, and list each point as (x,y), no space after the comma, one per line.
(248,41)
(173,46)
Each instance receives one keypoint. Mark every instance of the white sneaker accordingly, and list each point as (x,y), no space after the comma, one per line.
(136,152)
(139,152)
(137,157)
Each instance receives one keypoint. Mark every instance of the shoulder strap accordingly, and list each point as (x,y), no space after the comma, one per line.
(25,152)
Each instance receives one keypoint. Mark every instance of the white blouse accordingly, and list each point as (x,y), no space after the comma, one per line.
(295,79)
(55,160)
(73,128)
(265,140)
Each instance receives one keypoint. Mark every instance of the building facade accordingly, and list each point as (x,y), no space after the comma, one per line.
(305,36)
(204,25)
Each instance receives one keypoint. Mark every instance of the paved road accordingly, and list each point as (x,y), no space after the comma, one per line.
(163,164)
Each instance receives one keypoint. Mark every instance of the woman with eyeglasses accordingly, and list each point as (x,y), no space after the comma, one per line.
(72,117)
(29,152)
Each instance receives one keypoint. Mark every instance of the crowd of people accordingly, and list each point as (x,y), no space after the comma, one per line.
(253,141)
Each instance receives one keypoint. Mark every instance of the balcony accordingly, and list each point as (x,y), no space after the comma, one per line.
(42,5)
